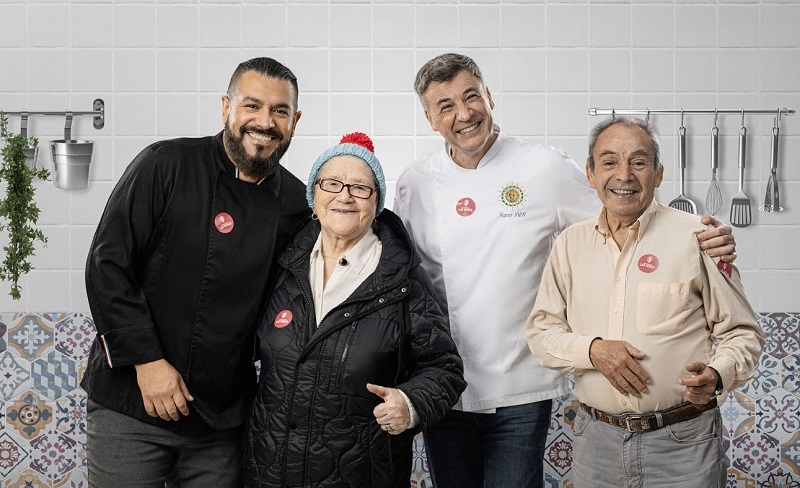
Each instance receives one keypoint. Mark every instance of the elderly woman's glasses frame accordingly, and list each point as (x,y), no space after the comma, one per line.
(331,185)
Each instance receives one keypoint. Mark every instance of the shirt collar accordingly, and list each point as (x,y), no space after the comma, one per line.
(357,256)
(490,154)
(640,226)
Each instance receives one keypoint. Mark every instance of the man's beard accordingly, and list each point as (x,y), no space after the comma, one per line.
(254,166)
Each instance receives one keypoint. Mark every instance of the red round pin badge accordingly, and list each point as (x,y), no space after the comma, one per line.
(223,222)
(648,263)
(465,207)
(283,319)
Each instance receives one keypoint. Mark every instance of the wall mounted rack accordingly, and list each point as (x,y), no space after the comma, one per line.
(98,112)
(707,111)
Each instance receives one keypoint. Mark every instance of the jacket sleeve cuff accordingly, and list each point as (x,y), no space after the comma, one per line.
(130,345)
(411,410)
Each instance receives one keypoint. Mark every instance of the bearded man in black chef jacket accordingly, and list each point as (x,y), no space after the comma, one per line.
(176,276)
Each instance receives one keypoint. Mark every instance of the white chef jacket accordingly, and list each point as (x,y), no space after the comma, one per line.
(484,236)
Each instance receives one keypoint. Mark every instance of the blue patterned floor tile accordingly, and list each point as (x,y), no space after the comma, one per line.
(558,455)
(30,414)
(766,379)
(70,414)
(30,335)
(54,454)
(783,333)
(737,479)
(755,453)
(74,335)
(54,375)
(778,414)
(791,373)
(15,375)
(13,455)
(738,413)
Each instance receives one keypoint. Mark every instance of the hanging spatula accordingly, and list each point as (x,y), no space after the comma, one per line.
(681,202)
(740,206)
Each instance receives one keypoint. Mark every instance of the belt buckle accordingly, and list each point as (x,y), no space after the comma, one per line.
(636,417)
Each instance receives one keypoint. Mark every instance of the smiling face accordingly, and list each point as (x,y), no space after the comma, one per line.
(344,218)
(259,117)
(624,174)
(461,111)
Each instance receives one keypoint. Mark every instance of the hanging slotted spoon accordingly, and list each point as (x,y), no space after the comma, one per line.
(740,206)
(714,197)
(681,202)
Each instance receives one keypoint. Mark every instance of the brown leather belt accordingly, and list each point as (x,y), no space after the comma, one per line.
(647,422)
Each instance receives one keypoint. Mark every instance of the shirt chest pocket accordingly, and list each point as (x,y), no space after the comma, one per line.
(661,308)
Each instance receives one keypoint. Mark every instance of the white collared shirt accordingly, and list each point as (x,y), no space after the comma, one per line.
(352,269)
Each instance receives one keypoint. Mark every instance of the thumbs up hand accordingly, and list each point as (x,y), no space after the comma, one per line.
(392,415)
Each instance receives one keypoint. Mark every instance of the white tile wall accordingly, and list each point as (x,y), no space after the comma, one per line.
(162,65)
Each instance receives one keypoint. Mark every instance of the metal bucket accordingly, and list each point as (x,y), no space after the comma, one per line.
(71,160)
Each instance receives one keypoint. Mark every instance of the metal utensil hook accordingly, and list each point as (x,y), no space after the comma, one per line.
(778,119)
(23,123)
(681,117)
(716,114)
(68,127)
(613,114)
(647,117)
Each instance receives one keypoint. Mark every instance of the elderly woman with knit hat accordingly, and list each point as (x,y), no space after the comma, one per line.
(355,354)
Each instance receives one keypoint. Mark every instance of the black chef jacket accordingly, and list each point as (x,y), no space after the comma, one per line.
(179,269)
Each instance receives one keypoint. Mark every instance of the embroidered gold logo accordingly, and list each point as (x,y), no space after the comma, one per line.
(512,196)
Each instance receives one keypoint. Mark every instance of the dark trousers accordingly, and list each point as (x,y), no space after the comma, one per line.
(123,451)
(493,450)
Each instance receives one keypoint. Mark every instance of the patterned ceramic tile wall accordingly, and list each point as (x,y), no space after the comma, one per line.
(43,410)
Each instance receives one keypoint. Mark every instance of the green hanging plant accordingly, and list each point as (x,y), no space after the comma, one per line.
(18,210)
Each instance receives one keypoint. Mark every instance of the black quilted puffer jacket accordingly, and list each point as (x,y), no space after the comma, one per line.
(312,423)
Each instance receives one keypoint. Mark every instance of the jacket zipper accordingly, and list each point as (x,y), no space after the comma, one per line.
(343,359)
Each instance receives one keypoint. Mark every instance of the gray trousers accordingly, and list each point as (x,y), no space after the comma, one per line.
(687,454)
(123,451)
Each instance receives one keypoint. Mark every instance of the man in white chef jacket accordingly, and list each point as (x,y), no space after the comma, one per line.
(483,212)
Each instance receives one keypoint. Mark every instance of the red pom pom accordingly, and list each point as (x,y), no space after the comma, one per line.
(359,138)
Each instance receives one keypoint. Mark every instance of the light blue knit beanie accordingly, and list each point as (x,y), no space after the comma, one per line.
(356,144)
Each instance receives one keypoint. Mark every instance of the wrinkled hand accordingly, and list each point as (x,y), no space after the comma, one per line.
(392,415)
(617,360)
(163,391)
(718,241)
(701,385)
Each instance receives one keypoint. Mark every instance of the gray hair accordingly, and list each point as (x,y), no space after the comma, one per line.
(630,122)
(443,68)
(264,66)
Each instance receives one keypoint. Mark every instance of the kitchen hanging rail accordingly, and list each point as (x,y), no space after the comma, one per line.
(707,111)
(98,112)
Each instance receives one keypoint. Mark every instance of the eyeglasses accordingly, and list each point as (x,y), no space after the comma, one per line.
(335,186)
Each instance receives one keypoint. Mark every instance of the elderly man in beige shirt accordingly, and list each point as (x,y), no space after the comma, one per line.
(652,328)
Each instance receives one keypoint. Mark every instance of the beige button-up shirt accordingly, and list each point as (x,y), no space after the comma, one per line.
(659,293)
